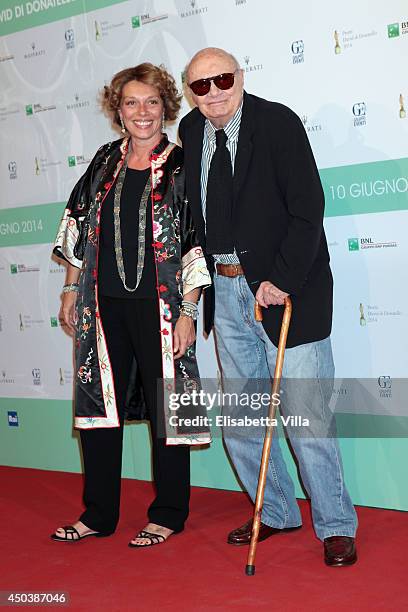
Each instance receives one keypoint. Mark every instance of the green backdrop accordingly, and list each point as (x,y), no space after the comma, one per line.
(375,468)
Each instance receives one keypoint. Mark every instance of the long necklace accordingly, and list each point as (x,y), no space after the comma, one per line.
(142,228)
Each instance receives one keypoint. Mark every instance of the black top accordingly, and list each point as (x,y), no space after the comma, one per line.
(109,281)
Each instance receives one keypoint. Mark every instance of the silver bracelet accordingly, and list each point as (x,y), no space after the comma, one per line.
(189,309)
(70,287)
(191,305)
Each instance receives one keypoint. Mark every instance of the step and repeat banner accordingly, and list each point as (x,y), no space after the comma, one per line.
(340,66)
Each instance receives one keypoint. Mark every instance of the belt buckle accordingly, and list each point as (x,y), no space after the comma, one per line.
(236,269)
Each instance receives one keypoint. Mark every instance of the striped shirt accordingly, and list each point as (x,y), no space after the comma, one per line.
(209,146)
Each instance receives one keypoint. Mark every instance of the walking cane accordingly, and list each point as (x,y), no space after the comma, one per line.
(250,567)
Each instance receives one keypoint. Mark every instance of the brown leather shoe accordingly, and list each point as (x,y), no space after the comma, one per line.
(339,550)
(242,535)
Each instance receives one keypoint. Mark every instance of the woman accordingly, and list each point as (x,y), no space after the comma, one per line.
(135,271)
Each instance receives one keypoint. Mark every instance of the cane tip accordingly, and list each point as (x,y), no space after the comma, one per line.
(250,570)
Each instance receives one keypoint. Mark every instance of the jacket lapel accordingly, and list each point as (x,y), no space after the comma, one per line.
(244,149)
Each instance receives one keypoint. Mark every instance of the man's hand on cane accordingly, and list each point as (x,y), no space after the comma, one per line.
(269,295)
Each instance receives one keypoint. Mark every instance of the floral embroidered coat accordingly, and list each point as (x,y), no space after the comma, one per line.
(180,267)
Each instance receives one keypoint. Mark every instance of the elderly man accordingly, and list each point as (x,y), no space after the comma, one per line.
(256,196)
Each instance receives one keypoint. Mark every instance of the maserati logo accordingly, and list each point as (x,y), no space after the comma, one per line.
(5,380)
(310,126)
(78,103)
(34,51)
(193,10)
(250,67)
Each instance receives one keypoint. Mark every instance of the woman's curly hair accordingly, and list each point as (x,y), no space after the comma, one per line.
(156,76)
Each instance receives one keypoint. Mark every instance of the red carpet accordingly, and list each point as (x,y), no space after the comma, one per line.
(195,570)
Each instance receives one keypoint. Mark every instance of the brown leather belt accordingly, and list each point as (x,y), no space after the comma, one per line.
(230,270)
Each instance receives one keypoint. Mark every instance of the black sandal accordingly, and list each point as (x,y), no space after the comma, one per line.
(155,538)
(73,535)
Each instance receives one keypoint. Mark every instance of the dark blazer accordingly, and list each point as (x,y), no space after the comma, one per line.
(277,215)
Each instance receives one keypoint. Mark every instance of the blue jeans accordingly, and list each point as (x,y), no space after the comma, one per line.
(246,353)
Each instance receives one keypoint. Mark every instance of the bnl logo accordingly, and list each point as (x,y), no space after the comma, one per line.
(12,418)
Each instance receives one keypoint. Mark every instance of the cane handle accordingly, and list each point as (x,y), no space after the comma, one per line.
(258,311)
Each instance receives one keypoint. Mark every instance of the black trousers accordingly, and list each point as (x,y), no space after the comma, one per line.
(132,328)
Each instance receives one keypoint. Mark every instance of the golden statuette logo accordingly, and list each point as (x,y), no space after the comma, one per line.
(98,34)
(362,317)
(61,375)
(337,48)
(402,112)
(37,167)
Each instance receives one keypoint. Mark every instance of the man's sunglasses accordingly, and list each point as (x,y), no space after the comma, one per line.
(222,81)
